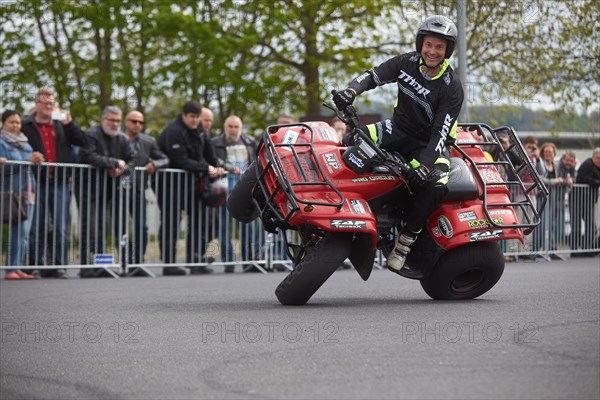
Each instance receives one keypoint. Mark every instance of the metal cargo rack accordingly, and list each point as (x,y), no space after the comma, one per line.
(271,212)
(512,163)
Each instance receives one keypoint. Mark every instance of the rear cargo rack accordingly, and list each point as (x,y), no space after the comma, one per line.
(285,186)
(513,165)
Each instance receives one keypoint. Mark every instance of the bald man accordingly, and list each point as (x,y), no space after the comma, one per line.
(237,150)
(206,119)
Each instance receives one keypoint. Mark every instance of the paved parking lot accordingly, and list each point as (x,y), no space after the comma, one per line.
(535,335)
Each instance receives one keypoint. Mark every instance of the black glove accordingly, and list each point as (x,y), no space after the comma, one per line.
(417,176)
(344,98)
(436,174)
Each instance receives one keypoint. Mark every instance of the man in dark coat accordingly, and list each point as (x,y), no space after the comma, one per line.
(149,157)
(101,188)
(188,147)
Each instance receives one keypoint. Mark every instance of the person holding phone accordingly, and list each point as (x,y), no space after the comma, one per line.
(51,131)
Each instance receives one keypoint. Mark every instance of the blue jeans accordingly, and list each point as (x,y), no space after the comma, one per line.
(52,199)
(19,238)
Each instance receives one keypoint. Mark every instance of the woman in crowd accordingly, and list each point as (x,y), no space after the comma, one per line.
(555,180)
(17,178)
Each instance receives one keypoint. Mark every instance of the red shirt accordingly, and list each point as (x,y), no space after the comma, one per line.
(49,141)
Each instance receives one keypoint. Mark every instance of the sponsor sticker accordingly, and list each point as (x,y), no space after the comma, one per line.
(375,178)
(290,137)
(356,161)
(467,216)
(498,212)
(326,134)
(445,226)
(382,178)
(490,175)
(485,235)
(464,140)
(357,207)
(436,231)
(305,164)
(484,223)
(332,162)
(347,224)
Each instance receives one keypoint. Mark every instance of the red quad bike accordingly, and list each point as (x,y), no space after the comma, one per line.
(349,201)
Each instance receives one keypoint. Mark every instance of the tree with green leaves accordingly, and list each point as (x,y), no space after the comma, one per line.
(256,59)
(310,37)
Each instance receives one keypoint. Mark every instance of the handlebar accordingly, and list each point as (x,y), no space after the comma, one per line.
(350,118)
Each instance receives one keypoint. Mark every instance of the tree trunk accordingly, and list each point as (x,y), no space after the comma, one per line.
(102,40)
(311,80)
(310,67)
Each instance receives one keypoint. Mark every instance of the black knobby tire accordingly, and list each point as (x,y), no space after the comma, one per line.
(317,265)
(239,203)
(465,272)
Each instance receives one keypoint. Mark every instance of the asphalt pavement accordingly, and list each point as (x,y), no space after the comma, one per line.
(536,335)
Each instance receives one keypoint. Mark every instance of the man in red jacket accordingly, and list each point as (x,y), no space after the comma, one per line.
(52,132)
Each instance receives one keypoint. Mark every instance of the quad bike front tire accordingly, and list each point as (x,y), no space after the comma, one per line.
(465,272)
(239,202)
(316,266)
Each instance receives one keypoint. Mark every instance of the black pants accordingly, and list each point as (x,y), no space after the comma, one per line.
(176,194)
(581,205)
(102,211)
(138,231)
(427,198)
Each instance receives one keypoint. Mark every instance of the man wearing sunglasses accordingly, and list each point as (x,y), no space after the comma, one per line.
(148,156)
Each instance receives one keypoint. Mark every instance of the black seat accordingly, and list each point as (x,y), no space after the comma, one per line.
(461,183)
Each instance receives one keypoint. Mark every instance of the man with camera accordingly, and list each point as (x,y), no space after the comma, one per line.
(52,132)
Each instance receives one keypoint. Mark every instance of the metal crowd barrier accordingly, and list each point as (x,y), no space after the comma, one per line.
(85,219)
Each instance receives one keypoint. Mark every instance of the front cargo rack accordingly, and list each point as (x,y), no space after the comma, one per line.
(269,208)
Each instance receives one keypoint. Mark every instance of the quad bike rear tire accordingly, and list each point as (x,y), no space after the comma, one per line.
(239,202)
(316,266)
(465,272)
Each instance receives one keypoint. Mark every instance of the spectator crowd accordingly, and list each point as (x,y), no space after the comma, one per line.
(190,172)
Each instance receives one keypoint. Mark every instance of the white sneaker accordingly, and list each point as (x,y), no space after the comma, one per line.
(397,257)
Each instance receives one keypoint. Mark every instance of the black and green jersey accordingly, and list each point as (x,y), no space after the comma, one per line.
(427,107)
